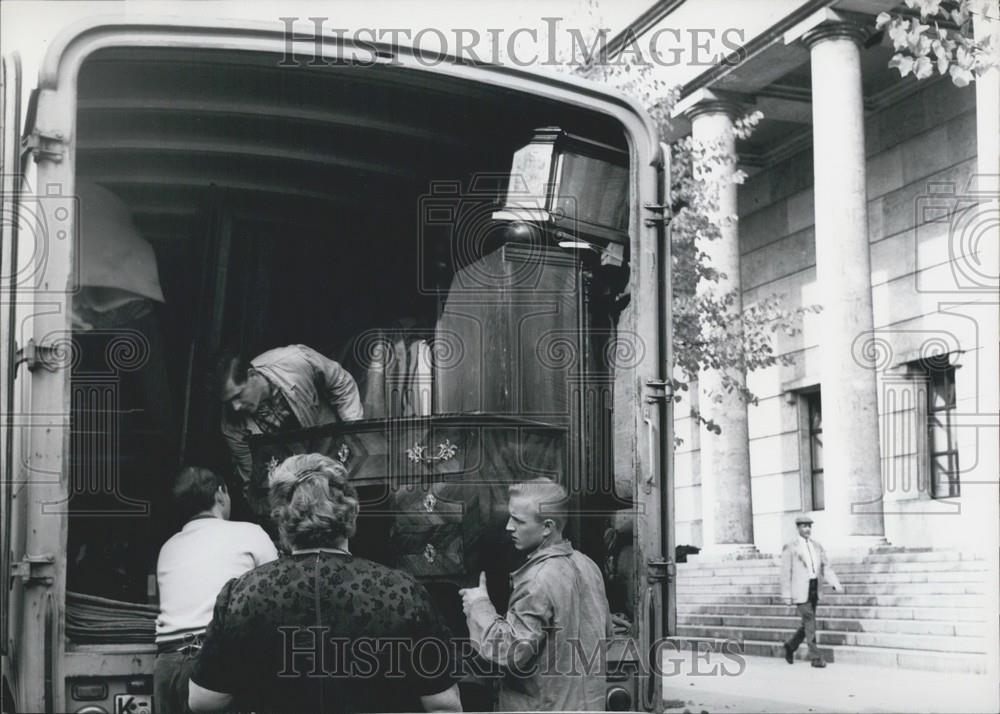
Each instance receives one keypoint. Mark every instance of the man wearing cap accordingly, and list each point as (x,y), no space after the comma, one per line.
(804,567)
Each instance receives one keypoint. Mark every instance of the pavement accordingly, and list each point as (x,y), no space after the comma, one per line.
(736,684)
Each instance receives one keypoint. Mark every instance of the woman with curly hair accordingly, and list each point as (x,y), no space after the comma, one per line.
(321,629)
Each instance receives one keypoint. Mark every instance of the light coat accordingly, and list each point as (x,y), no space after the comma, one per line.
(795,570)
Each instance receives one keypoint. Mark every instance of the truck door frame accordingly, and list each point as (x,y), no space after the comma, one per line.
(53,137)
(10,176)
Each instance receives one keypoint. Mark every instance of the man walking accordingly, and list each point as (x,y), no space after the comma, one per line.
(192,567)
(804,567)
(557,619)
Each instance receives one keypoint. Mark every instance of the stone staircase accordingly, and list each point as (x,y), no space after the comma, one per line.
(918,609)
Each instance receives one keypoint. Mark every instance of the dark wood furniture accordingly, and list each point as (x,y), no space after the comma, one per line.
(433,489)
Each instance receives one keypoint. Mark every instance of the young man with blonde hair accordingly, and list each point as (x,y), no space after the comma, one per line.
(557,619)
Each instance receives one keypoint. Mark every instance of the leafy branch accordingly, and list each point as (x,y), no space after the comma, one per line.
(941,39)
(709,333)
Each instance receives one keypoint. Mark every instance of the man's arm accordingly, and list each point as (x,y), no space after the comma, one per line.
(337,384)
(239,450)
(206,700)
(446,701)
(214,665)
(786,574)
(828,572)
(263,550)
(510,641)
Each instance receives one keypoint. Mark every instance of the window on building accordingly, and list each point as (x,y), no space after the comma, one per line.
(942,443)
(811,448)
(815,413)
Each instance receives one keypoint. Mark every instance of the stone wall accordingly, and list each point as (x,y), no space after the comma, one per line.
(921,155)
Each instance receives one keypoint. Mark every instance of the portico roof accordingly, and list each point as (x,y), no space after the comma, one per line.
(771,73)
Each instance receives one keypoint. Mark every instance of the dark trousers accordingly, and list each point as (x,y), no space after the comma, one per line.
(807,630)
(171,674)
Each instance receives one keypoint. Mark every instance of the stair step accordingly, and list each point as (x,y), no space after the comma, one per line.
(970,588)
(833,599)
(961,576)
(729,565)
(912,566)
(891,566)
(929,643)
(889,556)
(878,656)
(941,628)
(950,614)
(909,556)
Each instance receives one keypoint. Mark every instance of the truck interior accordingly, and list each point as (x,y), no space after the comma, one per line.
(315,205)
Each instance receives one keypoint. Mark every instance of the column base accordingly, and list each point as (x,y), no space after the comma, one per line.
(729,551)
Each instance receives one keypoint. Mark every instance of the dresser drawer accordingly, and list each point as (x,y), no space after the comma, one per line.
(483,448)
(430,534)
(438,483)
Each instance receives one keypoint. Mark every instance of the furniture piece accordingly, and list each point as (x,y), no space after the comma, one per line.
(433,489)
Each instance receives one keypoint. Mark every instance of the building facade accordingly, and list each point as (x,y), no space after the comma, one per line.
(876,199)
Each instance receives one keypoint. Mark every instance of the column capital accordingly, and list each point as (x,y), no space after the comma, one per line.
(711,101)
(827,24)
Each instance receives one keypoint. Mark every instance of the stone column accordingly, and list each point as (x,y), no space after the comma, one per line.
(727,508)
(853,488)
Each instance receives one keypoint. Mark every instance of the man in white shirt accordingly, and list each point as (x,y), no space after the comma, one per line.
(804,567)
(193,566)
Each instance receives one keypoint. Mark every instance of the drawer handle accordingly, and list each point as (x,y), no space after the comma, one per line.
(430,553)
(418,453)
(429,502)
(343,456)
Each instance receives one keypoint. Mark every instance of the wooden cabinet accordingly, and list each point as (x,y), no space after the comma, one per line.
(528,331)
(522,389)
(513,327)
(433,489)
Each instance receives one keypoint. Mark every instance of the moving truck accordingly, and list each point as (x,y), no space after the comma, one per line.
(483,247)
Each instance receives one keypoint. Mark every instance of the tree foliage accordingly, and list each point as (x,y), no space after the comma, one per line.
(928,36)
(708,333)
(934,35)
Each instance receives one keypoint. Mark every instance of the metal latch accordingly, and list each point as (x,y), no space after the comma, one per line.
(660,570)
(664,214)
(658,390)
(35,355)
(38,569)
(45,145)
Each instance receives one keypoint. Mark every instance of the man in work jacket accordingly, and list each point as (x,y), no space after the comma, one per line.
(557,620)
(283,389)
